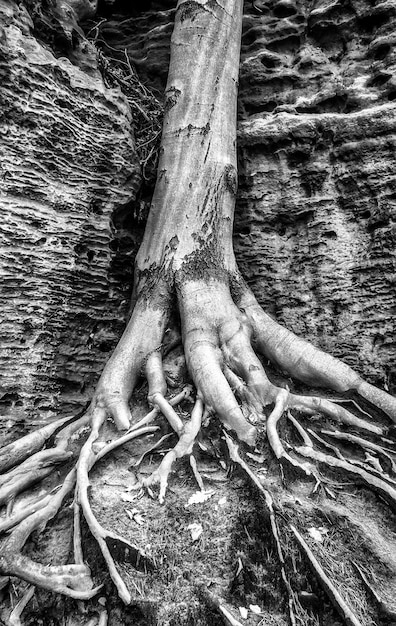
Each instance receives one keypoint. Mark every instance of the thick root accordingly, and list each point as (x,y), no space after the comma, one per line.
(217,337)
(303,361)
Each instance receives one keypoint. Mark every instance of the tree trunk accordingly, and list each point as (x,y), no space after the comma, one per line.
(188,291)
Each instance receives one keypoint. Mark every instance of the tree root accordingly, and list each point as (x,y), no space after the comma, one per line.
(21,449)
(336,599)
(379,486)
(184,447)
(388,614)
(363,443)
(107,540)
(236,458)
(71,580)
(273,437)
(222,362)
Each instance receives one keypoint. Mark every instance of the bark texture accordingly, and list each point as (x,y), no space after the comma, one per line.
(68,162)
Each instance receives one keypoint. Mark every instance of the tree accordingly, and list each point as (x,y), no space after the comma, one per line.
(188,289)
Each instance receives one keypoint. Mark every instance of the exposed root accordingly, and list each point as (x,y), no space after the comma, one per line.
(15,518)
(335,597)
(183,447)
(378,485)
(236,458)
(313,405)
(273,437)
(168,411)
(363,443)
(71,580)
(384,610)
(31,471)
(107,540)
(305,362)
(21,449)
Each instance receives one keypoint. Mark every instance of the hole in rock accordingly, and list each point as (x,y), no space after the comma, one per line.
(382,51)
(284,9)
(378,80)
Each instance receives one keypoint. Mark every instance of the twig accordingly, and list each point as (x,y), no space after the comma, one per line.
(15,617)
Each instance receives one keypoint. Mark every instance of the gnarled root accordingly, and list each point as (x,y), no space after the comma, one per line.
(218,334)
(71,580)
(107,540)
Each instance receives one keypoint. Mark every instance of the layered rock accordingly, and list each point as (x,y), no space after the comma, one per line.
(315,232)
(68,162)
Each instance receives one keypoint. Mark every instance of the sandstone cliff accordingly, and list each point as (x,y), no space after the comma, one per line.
(314,231)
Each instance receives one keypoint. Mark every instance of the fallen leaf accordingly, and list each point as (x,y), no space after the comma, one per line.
(128,497)
(223,501)
(200,496)
(244,612)
(255,609)
(196,531)
(318,533)
(136,516)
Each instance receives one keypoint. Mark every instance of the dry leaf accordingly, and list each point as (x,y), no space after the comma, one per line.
(244,612)
(196,531)
(318,533)
(128,497)
(200,496)
(136,516)
(255,609)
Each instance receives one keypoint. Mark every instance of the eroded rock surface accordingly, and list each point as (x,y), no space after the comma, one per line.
(67,163)
(314,232)
(315,225)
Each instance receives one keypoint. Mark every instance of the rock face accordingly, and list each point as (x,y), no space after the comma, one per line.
(68,162)
(314,226)
(314,232)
